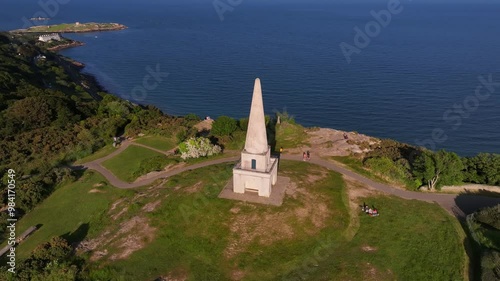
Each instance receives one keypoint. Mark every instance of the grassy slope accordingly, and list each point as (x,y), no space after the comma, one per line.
(413,240)
(356,165)
(67,209)
(290,136)
(108,149)
(196,233)
(128,161)
(157,142)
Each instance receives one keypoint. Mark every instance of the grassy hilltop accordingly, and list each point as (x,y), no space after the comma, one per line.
(52,117)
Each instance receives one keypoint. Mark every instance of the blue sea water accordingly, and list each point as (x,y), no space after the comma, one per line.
(414,82)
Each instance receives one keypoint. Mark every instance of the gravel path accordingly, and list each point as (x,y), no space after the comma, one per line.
(458,205)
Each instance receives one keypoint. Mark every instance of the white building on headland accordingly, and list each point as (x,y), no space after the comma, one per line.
(49,37)
(257,171)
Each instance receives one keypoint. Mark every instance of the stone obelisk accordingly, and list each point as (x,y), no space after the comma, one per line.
(257,171)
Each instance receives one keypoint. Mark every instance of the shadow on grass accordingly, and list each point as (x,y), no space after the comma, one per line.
(473,251)
(467,203)
(78,235)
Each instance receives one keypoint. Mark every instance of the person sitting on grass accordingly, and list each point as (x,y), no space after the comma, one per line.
(363,207)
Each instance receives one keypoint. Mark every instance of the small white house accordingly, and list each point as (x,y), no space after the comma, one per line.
(49,37)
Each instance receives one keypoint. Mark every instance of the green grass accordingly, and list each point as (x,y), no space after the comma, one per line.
(193,230)
(70,208)
(357,166)
(290,136)
(411,240)
(128,161)
(236,141)
(108,149)
(189,238)
(158,142)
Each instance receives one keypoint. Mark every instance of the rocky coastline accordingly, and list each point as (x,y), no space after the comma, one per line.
(66,46)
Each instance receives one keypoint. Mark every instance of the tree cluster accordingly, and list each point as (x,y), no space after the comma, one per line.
(51,115)
(415,167)
(484,226)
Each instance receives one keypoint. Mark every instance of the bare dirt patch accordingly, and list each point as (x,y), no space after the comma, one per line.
(137,233)
(237,275)
(331,142)
(116,203)
(371,273)
(269,226)
(235,210)
(117,215)
(167,168)
(266,228)
(151,206)
(176,275)
(368,248)
(194,188)
(355,191)
(128,237)
(358,190)
(312,177)
(205,125)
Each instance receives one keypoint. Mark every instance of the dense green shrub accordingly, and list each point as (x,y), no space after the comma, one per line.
(395,171)
(53,260)
(224,126)
(484,227)
(490,265)
(489,216)
(483,168)
(243,124)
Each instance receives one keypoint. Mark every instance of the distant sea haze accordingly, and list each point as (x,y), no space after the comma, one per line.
(428,76)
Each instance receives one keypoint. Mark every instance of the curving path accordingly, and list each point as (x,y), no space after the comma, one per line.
(458,205)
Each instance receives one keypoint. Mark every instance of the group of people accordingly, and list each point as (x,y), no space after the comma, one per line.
(372,212)
(306,156)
